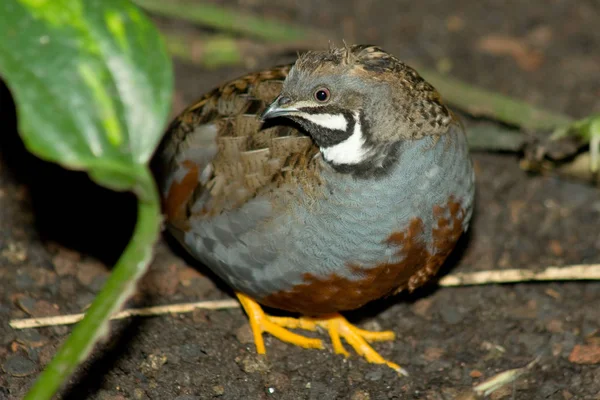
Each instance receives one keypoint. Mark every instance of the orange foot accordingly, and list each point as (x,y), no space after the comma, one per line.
(337,326)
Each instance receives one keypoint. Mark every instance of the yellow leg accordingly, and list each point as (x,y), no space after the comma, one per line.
(337,326)
(261,322)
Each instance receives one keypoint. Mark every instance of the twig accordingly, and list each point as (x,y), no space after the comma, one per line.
(569,273)
(573,272)
(502,379)
(498,381)
(132,312)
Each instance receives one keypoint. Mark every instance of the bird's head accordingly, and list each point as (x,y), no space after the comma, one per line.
(356,101)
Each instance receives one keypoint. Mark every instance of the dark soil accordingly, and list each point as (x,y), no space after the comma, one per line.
(59,231)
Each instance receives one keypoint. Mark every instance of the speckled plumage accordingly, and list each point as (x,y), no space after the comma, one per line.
(266,213)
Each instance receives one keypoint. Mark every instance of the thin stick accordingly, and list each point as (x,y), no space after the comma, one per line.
(569,273)
(132,312)
(497,382)
(504,378)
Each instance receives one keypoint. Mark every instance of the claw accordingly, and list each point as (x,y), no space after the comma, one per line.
(336,325)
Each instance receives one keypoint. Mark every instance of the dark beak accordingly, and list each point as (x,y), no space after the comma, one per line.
(279,107)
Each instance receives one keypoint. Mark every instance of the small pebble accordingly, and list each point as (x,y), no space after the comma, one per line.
(107,395)
(360,395)
(475,374)
(162,282)
(374,375)
(23,282)
(433,353)
(65,262)
(67,287)
(26,304)
(372,325)
(15,252)
(60,330)
(19,366)
(244,334)
(153,362)
(250,364)
(191,352)
(188,275)
(218,390)
(39,308)
(450,313)
(422,307)
(278,381)
(585,354)
(139,394)
(31,338)
(89,270)
(354,376)
(98,283)
(156,361)
(532,342)
(555,326)
(320,390)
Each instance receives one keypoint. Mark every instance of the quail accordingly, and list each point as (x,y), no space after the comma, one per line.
(318,187)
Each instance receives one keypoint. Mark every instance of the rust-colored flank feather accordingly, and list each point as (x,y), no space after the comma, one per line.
(322,295)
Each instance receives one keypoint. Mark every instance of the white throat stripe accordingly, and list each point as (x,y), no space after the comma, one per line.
(328,121)
(350,151)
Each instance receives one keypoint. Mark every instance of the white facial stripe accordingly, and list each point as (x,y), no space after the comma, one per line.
(306,104)
(350,151)
(328,121)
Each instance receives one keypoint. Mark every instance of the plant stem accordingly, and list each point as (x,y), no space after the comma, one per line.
(214,52)
(480,102)
(494,137)
(122,282)
(227,20)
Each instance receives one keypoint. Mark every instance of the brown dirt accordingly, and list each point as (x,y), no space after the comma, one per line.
(59,231)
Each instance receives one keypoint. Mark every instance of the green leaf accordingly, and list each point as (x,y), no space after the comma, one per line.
(92,83)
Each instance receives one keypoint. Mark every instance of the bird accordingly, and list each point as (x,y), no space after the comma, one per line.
(317,187)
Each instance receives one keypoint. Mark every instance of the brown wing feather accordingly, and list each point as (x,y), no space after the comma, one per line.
(214,155)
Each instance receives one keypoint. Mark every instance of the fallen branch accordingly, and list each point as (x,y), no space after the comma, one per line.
(570,273)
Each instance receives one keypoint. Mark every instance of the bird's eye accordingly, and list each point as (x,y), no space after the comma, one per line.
(322,95)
